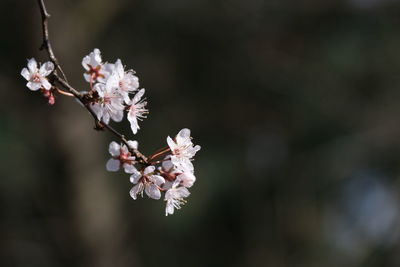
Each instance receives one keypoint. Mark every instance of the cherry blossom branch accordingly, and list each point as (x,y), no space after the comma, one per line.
(82,98)
(168,170)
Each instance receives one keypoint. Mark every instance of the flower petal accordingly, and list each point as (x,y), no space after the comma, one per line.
(184,134)
(136,175)
(32,65)
(157,179)
(34,86)
(114,149)
(187,179)
(45,83)
(129,168)
(171,143)
(169,209)
(137,189)
(134,124)
(113,165)
(133,144)
(25,74)
(149,169)
(46,69)
(138,96)
(152,191)
(167,165)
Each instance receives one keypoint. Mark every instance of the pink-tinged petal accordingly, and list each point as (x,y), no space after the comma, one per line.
(114,149)
(158,180)
(167,165)
(182,192)
(167,185)
(184,134)
(117,116)
(112,81)
(187,179)
(171,143)
(119,68)
(125,150)
(25,73)
(136,175)
(125,96)
(183,164)
(45,83)
(108,68)
(129,168)
(100,89)
(34,86)
(113,165)
(46,68)
(132,80)
(98,110)
(169,209)
(133,144)
(149,169)
(32,65)
(137,189)
(97,56)
(134,124)
(106,117)
(87,77)
(86,62)
(153,192)
(138,96)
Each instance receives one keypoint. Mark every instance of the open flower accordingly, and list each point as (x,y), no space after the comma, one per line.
(125,81)
(174,197)
(95,69)
(121,157)
(171,173)
(137,110)
(182,150)
(108,104)
(148,181)
(35,76)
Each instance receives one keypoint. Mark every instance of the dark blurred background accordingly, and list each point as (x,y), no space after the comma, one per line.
(295,105)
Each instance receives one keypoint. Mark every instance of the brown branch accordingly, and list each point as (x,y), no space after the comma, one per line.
(46,41)
(82,98)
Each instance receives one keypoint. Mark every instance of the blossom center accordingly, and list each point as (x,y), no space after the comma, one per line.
(35,78)
(94,72)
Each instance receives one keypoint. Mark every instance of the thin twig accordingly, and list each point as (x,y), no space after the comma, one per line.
(46,41)
(159,153)
(100,125)
(64,93)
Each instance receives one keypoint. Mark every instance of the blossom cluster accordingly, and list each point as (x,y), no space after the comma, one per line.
(112,87)
(174,175)
(114,91)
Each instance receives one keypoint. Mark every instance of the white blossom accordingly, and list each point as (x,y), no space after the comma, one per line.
(121,157)
(35,76)
(187,179)
(108,105)
(96,70)
(182,150)
(137,110)
(174,197)
(125,81)
(185,175)
(146,181)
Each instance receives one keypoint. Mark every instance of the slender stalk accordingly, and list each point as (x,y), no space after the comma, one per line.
(64,93)
(159,153)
